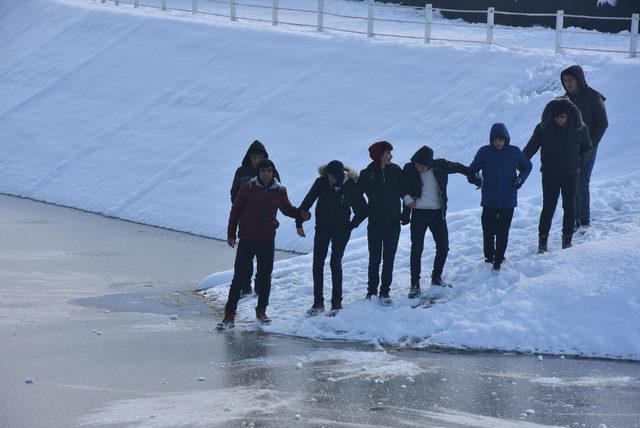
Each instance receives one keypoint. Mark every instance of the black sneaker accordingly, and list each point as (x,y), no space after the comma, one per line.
(414,291)
(488,259)
(496,266)
(315,309)
(369,294)
(440,282)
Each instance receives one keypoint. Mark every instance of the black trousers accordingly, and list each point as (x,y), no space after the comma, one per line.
(247,250)
(246,284)
(552,187)
(338,239)
(495,231)
(421,220)
(383,244)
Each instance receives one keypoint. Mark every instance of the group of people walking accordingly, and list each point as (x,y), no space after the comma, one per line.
(567,137)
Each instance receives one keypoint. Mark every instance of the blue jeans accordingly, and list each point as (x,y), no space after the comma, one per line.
(583,199)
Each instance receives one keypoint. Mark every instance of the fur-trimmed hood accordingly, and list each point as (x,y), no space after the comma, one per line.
(348,172)
(565,104)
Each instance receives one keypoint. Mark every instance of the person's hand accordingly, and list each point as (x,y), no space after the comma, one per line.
(306,215)
(517,183)
(411,205)
(231,242)
(300,232)
(405,220)
(475,180)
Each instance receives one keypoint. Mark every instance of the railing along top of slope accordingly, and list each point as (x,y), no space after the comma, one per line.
(269,11)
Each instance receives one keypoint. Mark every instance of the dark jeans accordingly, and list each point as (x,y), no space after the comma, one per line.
(383,243)
(264,252)
(246,284)
(583,199)
(338,239)
(421,220)
(495,231)
(552,186)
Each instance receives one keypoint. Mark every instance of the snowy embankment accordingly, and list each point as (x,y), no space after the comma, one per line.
(144,116)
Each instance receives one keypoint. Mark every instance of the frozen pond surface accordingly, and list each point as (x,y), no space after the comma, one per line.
(99,326)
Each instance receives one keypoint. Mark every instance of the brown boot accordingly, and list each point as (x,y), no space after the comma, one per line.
(228,321)
(261,316)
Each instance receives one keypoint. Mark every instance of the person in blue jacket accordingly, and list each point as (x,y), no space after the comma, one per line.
(500,163)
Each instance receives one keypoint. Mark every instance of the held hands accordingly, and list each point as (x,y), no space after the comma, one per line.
(517,183)
(231,242)
(305,215)
(411,205)
(475,180)
(300,232)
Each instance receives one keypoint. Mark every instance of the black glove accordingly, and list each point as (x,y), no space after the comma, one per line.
(518,183)
(475,180)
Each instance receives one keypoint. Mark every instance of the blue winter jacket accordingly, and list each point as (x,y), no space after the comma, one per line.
(500,170)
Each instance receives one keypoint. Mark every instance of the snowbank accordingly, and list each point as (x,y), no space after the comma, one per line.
(144,116)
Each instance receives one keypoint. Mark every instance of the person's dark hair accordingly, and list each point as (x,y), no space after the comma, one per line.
(266,163)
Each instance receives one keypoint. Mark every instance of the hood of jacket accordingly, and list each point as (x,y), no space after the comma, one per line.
(564,104)
(348,172)
(499,130)
(577,72)
(255,147)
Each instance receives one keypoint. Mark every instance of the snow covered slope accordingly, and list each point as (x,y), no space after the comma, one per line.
(145,115)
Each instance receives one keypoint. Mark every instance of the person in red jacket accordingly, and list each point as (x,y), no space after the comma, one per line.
(254,211)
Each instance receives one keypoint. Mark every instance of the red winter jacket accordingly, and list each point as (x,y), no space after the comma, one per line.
(255,208)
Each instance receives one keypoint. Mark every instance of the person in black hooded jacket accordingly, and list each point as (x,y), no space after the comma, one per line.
(565,146)
(247,171)
(427,178)
(594,114)
(337,194)
(385,186)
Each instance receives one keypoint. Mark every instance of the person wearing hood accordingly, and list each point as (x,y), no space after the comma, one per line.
(245,172)
(337,196)
(565,147)
(594,114)
(428,178)
(504,170)
(385,186)
(253,216)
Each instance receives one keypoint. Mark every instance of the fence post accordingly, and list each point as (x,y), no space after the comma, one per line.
(428,16)
(633,46)
(232,10)
(163,5)
(559,29)
(370,19)
(320,14)
(274,21)
(490,20)
(136,3)
(194,6)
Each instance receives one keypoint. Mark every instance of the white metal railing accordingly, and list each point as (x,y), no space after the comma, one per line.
(427,22)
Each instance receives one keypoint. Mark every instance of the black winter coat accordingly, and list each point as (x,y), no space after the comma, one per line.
(246,171)
(333,210)
(441,170)
(384,190)
(591,105)
(564,150)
